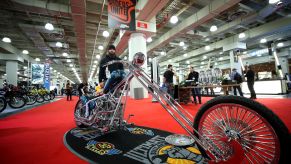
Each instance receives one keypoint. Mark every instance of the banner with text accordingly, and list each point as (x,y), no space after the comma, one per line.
(47,76)
(121,14)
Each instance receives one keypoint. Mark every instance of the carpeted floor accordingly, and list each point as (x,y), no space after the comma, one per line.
(36,136)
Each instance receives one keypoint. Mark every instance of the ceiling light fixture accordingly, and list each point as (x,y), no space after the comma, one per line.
(65,54)
(174,19)
(273,1)
(263,40)
(204,57)
(95,61)
(6,40)
(280,44)
(241,35)
(149,39)
(220,53)
(105,34)
(163,53)
(170,60)
(181,44)
(69,61)
(215,63)
(71,65)
(207,47)
(187,62)
(213,28)
(37,59)
(185,55)
(150,59)
(125,57)
(221,58)
(25,52)
(100,47)
(59,44)
(185,48)
(25,67)
(49,26)
(98,56)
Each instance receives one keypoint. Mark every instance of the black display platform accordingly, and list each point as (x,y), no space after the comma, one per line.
(132,145)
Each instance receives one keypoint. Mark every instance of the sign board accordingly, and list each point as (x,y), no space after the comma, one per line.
(121,14)
(47,76)
(37,73)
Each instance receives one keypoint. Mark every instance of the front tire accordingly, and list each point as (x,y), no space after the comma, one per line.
(17,102)
(259,132)
(79,113)
(3,104)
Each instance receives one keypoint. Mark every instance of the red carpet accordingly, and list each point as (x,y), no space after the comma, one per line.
(36,136)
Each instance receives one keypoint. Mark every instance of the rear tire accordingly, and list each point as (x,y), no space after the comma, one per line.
(213,110)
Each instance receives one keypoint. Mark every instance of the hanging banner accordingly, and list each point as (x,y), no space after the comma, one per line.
(121,14)
(37,71)
(47,76)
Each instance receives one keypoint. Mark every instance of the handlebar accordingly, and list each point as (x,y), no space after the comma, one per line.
(115,61)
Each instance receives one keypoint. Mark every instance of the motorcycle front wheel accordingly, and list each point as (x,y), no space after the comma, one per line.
(79,113)
(16,101)
(3,104)
(260,136)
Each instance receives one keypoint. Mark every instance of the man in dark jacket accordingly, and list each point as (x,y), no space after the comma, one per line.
(251,81)
(168,80)
(116,70)
(193,75)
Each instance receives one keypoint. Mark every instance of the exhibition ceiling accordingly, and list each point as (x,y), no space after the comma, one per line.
(77,40)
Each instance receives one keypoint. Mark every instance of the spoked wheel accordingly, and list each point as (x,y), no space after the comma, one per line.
(46,97)
(245,130)
(79,113)
(30,99)
(52,96)
(39,99)
(3,104)
(17,102)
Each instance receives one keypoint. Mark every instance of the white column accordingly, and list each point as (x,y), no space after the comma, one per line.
(137,43)
(234,62)
(11,71)
(284,65)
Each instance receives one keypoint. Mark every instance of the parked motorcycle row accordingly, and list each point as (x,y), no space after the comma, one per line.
(18,97)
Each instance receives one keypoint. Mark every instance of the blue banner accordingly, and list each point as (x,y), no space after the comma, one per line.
(47,76)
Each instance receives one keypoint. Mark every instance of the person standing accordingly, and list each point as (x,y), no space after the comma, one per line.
(116,70)
(69,90)
(168,80)
(250,75)
(193,75)
(236,77)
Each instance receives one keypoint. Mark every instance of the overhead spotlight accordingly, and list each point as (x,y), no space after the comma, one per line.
(100,47)
(220,53)
(65,54)
(201,66)
(149,39)
(51,68)
(185,55)
(95,61)
(241,35)
(187,62)
(202,63)
(181,44)
(207,48)
(204,57)
(150,59)
(280,44)
(105,34)
(273,1)
(184,48)
(207,39)
(49,26)
(174,19)
(59,44)
(25,67)
(263,40)
(25,52)
(163,53)
(213,28)
(69,61)
(221,58)
(55,70)
(125,57)
(6,40)
(170,60)
(245,52)
(37,59)
(215,63)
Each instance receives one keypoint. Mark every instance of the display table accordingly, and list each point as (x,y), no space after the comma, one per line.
(267,87)
(134,144)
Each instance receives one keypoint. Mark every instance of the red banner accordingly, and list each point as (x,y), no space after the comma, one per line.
(121,14)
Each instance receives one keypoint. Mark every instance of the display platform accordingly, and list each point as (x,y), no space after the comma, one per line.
(134,144)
